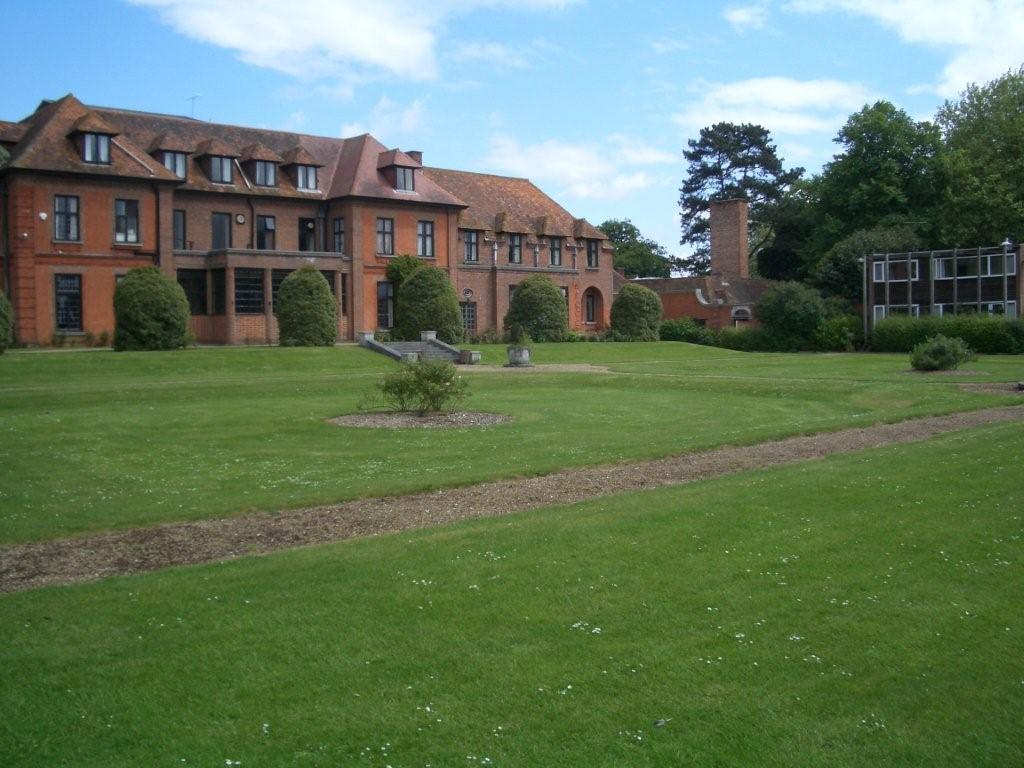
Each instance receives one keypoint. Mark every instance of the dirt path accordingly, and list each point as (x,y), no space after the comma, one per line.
(91,557)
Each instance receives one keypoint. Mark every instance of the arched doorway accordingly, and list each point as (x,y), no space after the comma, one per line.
(740,316)
(593,309)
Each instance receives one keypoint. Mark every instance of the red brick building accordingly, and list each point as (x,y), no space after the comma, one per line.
(727,296)
(87,193)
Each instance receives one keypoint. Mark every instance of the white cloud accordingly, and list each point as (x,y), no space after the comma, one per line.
(598,170)
(780,104)
(319,39)
(982,38)
(389,120)
(490,53)
(665,45)
(744,17)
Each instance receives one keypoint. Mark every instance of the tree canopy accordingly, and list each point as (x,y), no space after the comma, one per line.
(636,255)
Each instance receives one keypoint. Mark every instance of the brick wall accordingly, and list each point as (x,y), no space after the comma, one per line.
(729,256)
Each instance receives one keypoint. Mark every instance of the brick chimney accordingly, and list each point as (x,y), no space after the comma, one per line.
(729,257)
(416,155)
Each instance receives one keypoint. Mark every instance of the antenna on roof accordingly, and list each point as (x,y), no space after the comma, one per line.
(193,100)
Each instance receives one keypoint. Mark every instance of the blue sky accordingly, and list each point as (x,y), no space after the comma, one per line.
(592,99)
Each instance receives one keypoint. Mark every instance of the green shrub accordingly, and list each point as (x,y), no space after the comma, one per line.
(150,312)
(841,333)
(6,323)
(400,269)
(307,314)
(424,386)
(982,333)
(940,353)
(489,336)
(686,329)
(539,308)
(427,302)
(791,313)
(636,314)
(748,340)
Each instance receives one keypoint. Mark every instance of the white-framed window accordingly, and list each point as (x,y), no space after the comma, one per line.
(175,163)
(878,271)
(96,148)
(1011,310)
(942,309)
(266,173)
(945,268)
(305,176)
(878,312)
(897,271)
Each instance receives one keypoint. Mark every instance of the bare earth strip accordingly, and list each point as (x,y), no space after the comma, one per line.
(92,557)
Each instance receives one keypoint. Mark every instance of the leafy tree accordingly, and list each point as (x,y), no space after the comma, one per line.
(150,311)
(400,269)
(796,224)
(428,302)
(636,314)
(636,255)
(984,133)
(840,272)
(730,161)
(538,308)
(791,313)
(6,322)
(307,314)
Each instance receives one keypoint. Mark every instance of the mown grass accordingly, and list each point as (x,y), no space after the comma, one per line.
(860,610)
(101,440)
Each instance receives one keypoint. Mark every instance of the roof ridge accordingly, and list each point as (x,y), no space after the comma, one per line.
(478,173)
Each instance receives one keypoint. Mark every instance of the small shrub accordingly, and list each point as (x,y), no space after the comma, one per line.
(427,302)
(426,386)
(538,307)
(490,336)
(686,329)
(791,312)
(6,323)
(89,339)
(636,314)
(518,337)
(150,311)
(940,353)
(307,314)
(838,334)
(104,339)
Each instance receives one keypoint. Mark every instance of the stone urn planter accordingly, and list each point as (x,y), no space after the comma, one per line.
(518,356)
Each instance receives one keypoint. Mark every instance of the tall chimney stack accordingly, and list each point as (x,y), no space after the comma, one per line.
(729,257)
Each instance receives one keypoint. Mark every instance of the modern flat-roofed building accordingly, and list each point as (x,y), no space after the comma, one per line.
(87,193)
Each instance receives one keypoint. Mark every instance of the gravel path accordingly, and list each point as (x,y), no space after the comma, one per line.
(95,556)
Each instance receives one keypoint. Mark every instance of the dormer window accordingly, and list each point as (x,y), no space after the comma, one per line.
(305,176)
(266,173)
(175,163)
(404,180)
(220,169)
(96,148)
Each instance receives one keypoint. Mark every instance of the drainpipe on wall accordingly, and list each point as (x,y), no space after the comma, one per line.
(159,243)
(252,224)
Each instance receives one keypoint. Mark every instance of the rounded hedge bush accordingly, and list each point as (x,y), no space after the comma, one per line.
(150,312)
(427,302)
(538,308)
(686,329)
(982,333)
(940,353)
(307,314)
(791,313)
(636,314)
(6,323)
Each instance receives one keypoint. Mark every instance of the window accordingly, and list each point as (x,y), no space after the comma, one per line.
(329,277)
(898,271)
(126,221)
(425,238)
(471,240)
(339,235)
(175,163)
(305,176)
(593,254)
(344,292)
(1011,309)
(901,309)
(221,235)
(266,233)
(565,294)
(942,309)
(385,238)
(966,267)
(307,234)
(515,249)
(96,148)
(590,307)
(878,271)
(385,304)
(68,296)
(220,170)
(277,277)
(193,282)
(944,269)
(266,173)
(404,179)
(555,251)
(178,230)
(219,284)
(878,312)
(65,217)
(468,310)
(249,292)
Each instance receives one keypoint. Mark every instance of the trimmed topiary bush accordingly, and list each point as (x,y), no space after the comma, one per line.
(6,323)
(982,333)
(307,314)
(636,314)
(791,313)
(940,353)
(150,312)
(538,308)
(686,329)
(427,302)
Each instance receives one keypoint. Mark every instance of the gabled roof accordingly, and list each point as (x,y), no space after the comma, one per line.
(299,155)
(46,146)
(12,133)
(260,151)
(730,291)
(168,142)
(508,204)
(215,147)
(397,157)
(91,122)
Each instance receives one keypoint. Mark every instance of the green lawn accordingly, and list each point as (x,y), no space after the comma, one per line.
(864,610)
(101,440)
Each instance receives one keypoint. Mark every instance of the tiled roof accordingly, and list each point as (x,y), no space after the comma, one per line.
(714,288)
(91,122)
(298,155)
(259,151)
(508,204)
(397,157)
(215,147)
(168,142)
